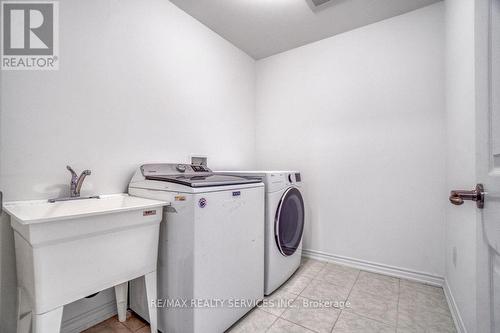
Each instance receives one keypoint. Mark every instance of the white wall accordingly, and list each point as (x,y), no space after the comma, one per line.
(136,84)
(361,114)
(460,123)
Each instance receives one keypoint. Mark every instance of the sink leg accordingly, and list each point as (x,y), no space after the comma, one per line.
(121,291)
(150,280)
(48,322)
(23,312)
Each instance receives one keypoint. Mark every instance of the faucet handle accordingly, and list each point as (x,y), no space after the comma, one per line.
(86,173)
(73,173)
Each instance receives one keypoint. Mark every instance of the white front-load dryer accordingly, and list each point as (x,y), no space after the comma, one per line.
(284,224)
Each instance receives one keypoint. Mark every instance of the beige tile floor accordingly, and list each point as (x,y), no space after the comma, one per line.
(133,324)
(308,303)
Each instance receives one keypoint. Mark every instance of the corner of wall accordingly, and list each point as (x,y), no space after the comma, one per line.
(455,312)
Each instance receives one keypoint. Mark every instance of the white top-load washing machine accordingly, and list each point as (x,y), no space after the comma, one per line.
(284,222)
(211,251)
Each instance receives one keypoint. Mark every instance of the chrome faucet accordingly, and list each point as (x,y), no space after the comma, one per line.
(76,185)
(77,182)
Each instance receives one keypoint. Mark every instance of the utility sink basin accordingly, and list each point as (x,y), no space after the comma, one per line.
(36,211)
(71,249)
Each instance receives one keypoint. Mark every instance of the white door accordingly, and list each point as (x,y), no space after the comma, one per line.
(487,102)
(488,128)
(489,156)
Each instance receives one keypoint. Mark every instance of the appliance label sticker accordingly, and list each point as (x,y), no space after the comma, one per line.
(149,212)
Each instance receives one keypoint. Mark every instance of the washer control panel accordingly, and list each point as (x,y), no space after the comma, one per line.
(171,169)
(199,168)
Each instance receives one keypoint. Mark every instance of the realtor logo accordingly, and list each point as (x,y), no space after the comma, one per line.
(30,35)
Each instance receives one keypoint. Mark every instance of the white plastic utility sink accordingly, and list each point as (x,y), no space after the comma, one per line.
(36,211)
(71,249)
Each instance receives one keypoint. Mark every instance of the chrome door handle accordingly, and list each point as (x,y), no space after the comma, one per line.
(457,197)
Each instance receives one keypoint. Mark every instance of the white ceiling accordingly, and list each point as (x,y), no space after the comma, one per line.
(265,27)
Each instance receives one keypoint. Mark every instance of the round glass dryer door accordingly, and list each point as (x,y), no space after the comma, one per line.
(289,223)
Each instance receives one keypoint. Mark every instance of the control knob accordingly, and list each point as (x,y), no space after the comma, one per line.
(181,167)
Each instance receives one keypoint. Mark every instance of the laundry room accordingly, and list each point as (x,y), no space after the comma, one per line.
(212,166)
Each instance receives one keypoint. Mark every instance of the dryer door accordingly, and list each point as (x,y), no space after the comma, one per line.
(289,221)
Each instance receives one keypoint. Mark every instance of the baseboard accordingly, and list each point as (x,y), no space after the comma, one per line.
(376,267)
(455,313)
(89,318)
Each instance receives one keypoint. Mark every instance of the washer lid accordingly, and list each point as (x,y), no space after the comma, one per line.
(191,175)
(204,180)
